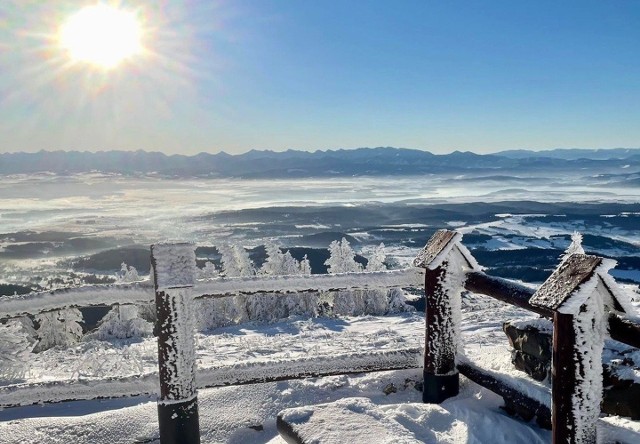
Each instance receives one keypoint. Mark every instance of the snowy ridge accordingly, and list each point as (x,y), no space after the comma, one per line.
(241,373)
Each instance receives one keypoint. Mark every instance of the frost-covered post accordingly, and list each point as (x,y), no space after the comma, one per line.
(444,260)
(578,292)
(174,267)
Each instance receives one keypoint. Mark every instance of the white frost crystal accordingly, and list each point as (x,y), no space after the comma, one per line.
(15,348)
(61,327)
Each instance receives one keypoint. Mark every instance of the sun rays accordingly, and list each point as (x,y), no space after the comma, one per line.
(109,73)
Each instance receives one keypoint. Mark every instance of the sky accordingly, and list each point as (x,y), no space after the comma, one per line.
(237,75)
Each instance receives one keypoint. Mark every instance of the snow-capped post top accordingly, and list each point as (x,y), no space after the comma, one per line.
(438,248)
(574,281)
(174,265)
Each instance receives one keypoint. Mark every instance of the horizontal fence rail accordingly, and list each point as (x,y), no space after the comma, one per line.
(86,296)
(143,292)
(621,329)
(234,374)
(222,287)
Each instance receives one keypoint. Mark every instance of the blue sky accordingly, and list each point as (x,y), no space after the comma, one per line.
(275,74)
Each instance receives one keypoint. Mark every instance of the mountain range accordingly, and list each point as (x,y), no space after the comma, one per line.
(352,162)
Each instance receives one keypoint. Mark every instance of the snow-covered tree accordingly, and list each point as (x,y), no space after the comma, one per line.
(398,301)
(15,347)
(305,266)
(213,312)
(236,261)
(127,274)
(279,263)
(575,247)
(61,327)
(376,259)
(267,307)
(208,271)
(122,321)
(27,326)
(342,258)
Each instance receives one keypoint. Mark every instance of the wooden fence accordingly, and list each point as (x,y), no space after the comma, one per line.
(580,297)
(449,269)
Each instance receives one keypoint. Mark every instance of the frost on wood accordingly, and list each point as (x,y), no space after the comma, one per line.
(86,296)
(58,328)
(437,249)
(342,258)
(173,265)
(440,247)
(574,280)
(176,345)
(589,327)
(444,330)
(407,277)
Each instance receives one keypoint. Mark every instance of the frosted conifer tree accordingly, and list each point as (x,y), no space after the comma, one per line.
(15,347)
(342,258)
(127,274)
(305,266)
(376,260)
(575,247)
(279,263)
(236,261)
(61,327)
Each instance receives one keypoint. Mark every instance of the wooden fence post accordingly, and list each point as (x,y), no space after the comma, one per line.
(441,378)
(576,294)
(563,379)
(173,268)
(443,259)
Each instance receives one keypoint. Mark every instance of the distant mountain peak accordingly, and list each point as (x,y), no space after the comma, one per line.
(293,164)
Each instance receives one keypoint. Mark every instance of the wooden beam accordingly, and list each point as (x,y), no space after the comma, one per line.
(174,274)
(441,378)
(537,409)
(620,329)
(563,379)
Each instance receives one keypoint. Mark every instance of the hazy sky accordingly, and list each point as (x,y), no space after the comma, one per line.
(306,74)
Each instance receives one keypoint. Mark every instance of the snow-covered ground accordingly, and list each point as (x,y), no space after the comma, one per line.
(246,414)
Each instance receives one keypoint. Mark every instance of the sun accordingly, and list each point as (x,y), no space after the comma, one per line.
(101,35)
